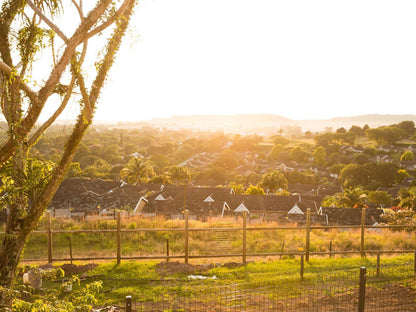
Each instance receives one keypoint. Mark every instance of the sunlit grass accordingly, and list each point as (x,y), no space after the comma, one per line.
(205,242)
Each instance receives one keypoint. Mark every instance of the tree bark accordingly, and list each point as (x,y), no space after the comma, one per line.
(26,208)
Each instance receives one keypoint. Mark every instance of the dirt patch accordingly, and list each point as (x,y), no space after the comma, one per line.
(167,268)
(71,269)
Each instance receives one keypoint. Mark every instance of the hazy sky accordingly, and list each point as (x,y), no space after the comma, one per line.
(296,58)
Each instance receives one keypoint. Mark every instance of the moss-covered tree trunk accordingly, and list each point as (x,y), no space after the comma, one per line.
(29,185)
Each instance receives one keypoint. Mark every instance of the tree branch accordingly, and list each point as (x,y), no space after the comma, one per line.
(84,119)
(79,9)
(29,92)
(36,106)
(47,21)
(111,20)
(35,137)
(78,37)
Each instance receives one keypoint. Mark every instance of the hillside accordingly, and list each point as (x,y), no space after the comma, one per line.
(265,124)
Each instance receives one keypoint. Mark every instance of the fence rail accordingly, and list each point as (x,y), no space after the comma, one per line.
(241,231)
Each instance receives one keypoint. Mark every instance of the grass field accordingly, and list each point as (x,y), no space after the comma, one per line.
(151,282)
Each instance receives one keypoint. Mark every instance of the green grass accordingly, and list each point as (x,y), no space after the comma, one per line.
(145,283)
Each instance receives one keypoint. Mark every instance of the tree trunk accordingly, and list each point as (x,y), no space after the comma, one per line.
(10,253)
(27,202)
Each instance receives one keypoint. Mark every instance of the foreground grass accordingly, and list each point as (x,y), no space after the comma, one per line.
(149,281)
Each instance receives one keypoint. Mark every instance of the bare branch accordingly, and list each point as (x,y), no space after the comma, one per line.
(79,36)
(79,9)
(38,102)
(35,137)
(47,20)
(84,119)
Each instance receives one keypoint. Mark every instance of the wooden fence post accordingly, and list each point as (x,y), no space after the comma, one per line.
(118,237)
(414,263)
(378,264)
(70,248)
(308,234)
(128,304)
(167,250)
(330,249)
(244,237)
(49,235)
(302,265)
(361,295)
(186,236)
(362,252)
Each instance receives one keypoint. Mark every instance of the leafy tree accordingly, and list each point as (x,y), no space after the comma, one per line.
(74,170)
(273,180)
(406,156)
(308,135)
(402,174)
(253,178)
(385,135)
(275,153)
(238,188)
(245,143)
(215,173)
(137,171)
(279,140)
(178,175)
(298,154)
(408,126)
(319,155)
(407,198)
(358,131)
(353,175)
(379,197)
(337,158)
(27,29)
(255,190)
(159,162)
(353,197)
(330,201)
(227,159)
(328,139)
(370,175)
(360,159)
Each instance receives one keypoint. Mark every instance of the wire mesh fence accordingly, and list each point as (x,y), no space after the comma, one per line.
(338,290)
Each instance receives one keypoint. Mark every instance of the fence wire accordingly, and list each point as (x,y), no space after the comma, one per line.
(337,291)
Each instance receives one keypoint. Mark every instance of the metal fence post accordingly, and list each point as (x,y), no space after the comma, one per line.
(49,235)
(118,237)
(362,252)
(128,303)
(361,295)
(186,236)
(308,234)
(167,250)
(244,237)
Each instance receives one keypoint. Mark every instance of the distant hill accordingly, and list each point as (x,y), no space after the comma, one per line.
(265,124)
(373,120)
